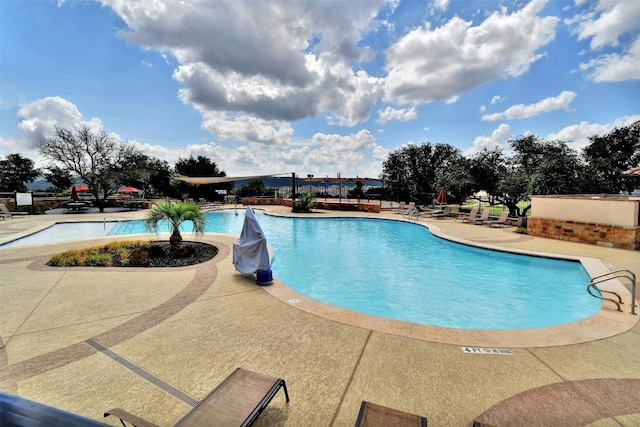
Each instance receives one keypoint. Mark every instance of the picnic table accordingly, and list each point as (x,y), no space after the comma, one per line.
(133,204)
(76,206)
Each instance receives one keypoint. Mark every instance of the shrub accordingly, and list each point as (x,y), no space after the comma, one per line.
(66,259)
(140,256)
(98,260)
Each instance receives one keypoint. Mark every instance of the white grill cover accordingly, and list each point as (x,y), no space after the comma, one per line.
(250,252)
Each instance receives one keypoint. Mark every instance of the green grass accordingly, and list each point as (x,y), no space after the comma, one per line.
(116,253)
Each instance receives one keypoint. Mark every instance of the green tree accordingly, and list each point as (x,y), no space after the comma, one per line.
(15,172)
(97,158)
(608,156)
(255,188)
(198,167)
(414,172)
(202,166)
(486,169)
(512,188)
(59,178)
(559,171)
(552,167)
(175,214)
(536,167)
(457,181)
(357,192)
(149,174)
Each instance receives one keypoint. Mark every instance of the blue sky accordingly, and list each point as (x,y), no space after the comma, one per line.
(316,87)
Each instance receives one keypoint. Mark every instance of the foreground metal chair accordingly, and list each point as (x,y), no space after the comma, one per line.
(372,415)
(236,401)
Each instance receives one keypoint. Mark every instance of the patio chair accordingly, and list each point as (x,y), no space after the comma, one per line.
(500,221)
(401,208)
(408,208)
(6,212)
(471,217)
(236,401)
(484,216)
(372,415)
(446,212)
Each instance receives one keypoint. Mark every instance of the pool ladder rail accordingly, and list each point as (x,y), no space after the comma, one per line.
(615,274)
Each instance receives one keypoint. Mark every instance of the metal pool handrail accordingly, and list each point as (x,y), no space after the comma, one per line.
(615,274)
(111,218)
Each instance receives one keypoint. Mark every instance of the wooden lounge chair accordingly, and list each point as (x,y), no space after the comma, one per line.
(500,221)
(372,415)
(484,216)
(471,217)
(236,401)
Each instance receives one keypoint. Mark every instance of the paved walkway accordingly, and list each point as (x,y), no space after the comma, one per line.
(155,341)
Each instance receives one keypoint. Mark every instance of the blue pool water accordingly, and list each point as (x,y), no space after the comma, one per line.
(401,271)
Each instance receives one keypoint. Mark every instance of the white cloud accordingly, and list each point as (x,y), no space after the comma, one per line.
(615,67)
(243,127)
(403,114)
(523,111)
(452,100)
(39,118)
(605,25)
(275,60)
(497,99)
(577,135)
(441,4)
(499,138)
(270,147)
(37,122)
(428,64)
(607,22)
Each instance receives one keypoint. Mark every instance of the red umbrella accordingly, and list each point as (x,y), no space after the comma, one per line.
(128,190)
(442,197)
(78,188)
(632,172)
(74,193)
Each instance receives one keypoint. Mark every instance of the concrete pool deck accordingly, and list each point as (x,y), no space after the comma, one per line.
(153,340)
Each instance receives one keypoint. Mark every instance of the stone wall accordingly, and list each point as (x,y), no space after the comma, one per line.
(597,234)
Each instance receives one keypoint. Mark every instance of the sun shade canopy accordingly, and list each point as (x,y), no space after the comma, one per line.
(199,180)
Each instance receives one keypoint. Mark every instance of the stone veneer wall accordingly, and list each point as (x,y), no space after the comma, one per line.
(597,234)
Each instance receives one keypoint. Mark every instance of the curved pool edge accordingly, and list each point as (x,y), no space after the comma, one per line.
(607,322)
(604,324)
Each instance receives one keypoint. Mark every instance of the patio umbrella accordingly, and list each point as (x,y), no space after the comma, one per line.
(632,172)
(442,197)
(74,193)
(128,189)
(78,188)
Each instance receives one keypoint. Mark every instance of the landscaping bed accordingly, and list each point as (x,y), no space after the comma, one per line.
(136,254)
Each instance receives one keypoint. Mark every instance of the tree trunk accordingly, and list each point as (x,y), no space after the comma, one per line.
(176,238)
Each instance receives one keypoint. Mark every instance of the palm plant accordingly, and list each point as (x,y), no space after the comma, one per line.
(175,214)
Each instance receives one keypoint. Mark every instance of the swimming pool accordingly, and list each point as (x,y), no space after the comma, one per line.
(399,270)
